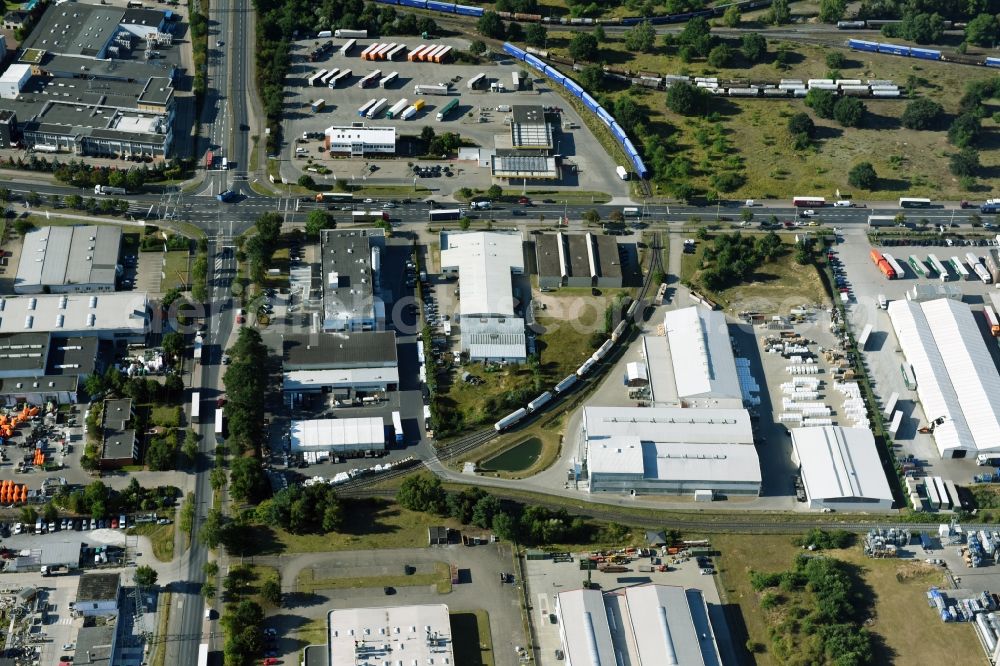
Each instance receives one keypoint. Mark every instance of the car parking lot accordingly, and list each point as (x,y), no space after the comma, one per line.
(478,116)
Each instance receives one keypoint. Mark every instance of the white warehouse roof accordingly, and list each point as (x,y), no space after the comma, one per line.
(319,434)
(584,628)
(84,314)
(702,356)
(484,261)
(670,424)
(956,377)
(390,635)
(841,466)
(676,462)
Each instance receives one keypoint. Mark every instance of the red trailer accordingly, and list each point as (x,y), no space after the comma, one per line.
(209,159)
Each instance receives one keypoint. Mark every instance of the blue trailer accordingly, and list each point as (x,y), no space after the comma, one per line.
(925,54)
(862,45)
(894,49)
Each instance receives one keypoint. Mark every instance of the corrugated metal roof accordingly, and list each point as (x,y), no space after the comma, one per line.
(323,433)
(956,377)
(840,463)
(484,261)
(664,627)
(701,354)
(586,633)
(670,424)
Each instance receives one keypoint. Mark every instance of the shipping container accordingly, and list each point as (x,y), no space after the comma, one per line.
(345,50)
(959,268)
(367,51)
(573,87)
(468,11)
(478,82)
(318,105)
(893,49)
(371,79)
(341,77)
(993,62)
(992,323)
(314,80)
(397,427)
(605,117)
(443,56)
(395,52)
(419,104)
(942,492)
(363,109)
(415,53)
(534,62)
(397,108)
(862,45)
(388,79)
(377,108)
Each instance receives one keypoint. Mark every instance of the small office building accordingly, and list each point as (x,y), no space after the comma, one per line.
(340,363)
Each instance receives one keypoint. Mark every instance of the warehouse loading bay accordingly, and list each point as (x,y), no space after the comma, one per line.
(585,165)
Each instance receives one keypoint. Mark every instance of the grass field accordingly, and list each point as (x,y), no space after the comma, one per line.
(160,653)
(756,143)
(162,538)
(440,578)
(176,270)
(467,627)
(168,417)
(776,287)
(371,524)
(898,588)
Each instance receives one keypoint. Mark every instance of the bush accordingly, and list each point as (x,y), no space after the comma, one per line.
(720,56)
(753,46)
(849,111)
(583,46)
(964,163)
(822,102)
(686,99)
(964,131)
(922,114)
(801,123)
(835,60)
(863,175)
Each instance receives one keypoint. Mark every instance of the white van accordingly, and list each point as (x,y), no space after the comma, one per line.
(843,204)
(225,164)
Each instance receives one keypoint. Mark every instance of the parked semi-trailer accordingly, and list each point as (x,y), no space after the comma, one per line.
(431,90)
(351,34)
(377,108)
(107,189)
(447,108)
(396,108)
(883,265)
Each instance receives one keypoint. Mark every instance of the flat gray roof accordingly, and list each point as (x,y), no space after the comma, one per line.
(529,128)
(524,166)
(58,256)
(117,413)
(581,255)
(46,384)
(93,645)
(321,351)
(143,16)
(348,293)
(75,29)
(98,587)
(24,352)
(72,356)
(67,66)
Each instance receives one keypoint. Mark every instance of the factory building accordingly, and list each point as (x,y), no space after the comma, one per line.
(120,446)
(956,380)
(651,624)
(324,437)
(39,367)
(840,469)
(352,262)
(670,450)
(341,364)
(484,261)
(118,317)
(67,260)
(693,364)
(390,635)
(577,260)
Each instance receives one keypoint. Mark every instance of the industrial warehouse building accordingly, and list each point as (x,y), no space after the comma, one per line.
(840,469)
(66,260)
(956,378)
(528,128)
(120,446)
(352,263)
(340,363)
(484,262)
(390,635)
(693,364)
(651,624)
(670,450)
(577,260)
(515,165)
(77,86)
(361,141)
(118,317)
(338,436)
(39,367)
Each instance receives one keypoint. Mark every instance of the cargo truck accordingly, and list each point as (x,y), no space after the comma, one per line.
(408,113)
(446,109)
(48,570)
(351,34)
(105,189)
(440,89)
(992,461)
(396,108)
(397,426)
(376,108)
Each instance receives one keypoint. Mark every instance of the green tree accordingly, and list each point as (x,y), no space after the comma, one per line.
(583,46)
(306,181)
(720,56)
(145,576)
(863,175)
(174,346)
(490,25)
(849,111)
(983,30)
(494,192)
(781,13)
(247,481)
(592,78)
(190,448)
(477,47)
(317,221)
(732,18)
(506,526)
(599,34)
(484,511)
(753,46)
(697,35)
(208,590)
(922,114)
(33,198)
(964,163)
(23,227)
(50,512)
(464,223)
(422,492)
(74,201)
(686,99)
(270,590)
(641,38)
(427,134)
(591,216)
(211,529)
(920,27)
(536,35)
(822,102)
(515,32)
(831,11)
(964,130)
(835,60)
(801,123)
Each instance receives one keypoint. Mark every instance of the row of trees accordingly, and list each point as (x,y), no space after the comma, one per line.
(101,501)
(530,525)
(303,509)
(246,385)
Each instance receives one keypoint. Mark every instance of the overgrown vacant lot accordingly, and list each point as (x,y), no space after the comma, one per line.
(755,140)
(906,631)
